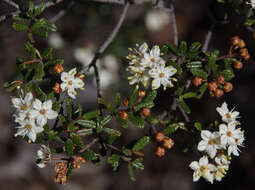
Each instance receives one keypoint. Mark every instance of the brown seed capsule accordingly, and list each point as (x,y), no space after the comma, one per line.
(247,57)
(159,137)
(77,161)
(61,178)
(160,152)
(61,167)
(218,93)
(238,65)
(125,102)
(235,40)
(168,143)
(244,52)
(228,87)
(142,93)
(58,68)
(197,81)
(220,79)
(241,44)
(212,86)
(123,115)
(56,88)
(146,112)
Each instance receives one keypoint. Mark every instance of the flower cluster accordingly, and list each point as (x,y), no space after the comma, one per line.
(147,65)
(31,115)
(219,146)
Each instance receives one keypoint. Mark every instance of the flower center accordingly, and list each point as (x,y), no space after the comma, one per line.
(28,126)
(161,75)
(24,107)
(70,83)
(228,115)
(229,133)
(212,141)
(153,60)
(42,111)
(203,168)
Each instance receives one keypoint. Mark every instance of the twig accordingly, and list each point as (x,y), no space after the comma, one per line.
(175,29)
(186,117)
(12,3)
(208,39)
(62,12)
(89,145)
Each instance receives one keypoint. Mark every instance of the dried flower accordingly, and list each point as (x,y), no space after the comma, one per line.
(168,143)
(43,156)
(197,81)
(228,87)
(125,102)
(123,115)
(238,65)
(218,93)
(58,68)
(146,112)
(160,152)
(212,86)
(159,137)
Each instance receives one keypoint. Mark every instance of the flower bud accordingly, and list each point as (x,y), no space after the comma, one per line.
(238,65)
(123,115)
(218,93)
(146,112)
(125,102)
(56,88)
(236,40)
(58,68)
(159,137)
(244,52)
(61,167)
(220,79)
(142,93)
(168,143)
(160,152)
(241,44)
(212,86)
(197,81)
(228,87)
(61,178)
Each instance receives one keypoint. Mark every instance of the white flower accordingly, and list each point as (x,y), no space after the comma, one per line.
(42,112)
(85,55)
(220,172)
(222,160)
(229,134)
(153,58)
(43,156)
(55,40)
(227,116)
(28,128)
(209,143)
(71,82)
(162,76)
(156,19)
(23,106)
(252,3)
(233,148)
(202,168)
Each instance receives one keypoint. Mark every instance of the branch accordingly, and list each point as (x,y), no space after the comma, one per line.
(186,117)
(89,145)
(208,39)
(62,12)
(175,29)
(10,2)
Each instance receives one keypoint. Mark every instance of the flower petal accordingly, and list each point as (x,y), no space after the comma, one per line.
(37,104)
(47,105)
(50,114)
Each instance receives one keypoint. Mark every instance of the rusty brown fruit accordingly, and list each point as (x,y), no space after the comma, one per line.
(123,115)
(220,79)
(142,93)
(238,65)
(168,143)
(125,102)
(212,86)
(61,167)
(228,87)
(146,112)
(160,152)
(241,44)
(236,40)
(197,81)
(56,88)
(244,52)
(58,68)
(247,57)
(159,137)
(61,178)
(218,93)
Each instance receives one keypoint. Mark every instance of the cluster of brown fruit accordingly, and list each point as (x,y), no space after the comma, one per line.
(239,45)
(61,169)
(167,143)
(220,86)
(145,111)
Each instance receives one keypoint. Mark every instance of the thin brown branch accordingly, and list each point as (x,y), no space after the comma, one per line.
(175,28)
(13,4)
(89,145)
(208,39)
(186,117)
(62,12)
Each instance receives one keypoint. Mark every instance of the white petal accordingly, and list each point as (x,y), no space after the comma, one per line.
(223,128)
(40,154)
(63,86)
(64,76)
(155,84)
(31,135)
(22,131)
(29,97)
(203,161)
(34,113)
(41,120)
(223,140)
(47,105)
(72,93)
(38,129)
(202,145)
(16,102)
(50,114)
(212,151)
(155,52)
(72,72)
(194,165)
(37,104)
(78,83)
(41,165)
(205,134)
(196,177)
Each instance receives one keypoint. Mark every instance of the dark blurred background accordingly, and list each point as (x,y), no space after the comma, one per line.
(80,32)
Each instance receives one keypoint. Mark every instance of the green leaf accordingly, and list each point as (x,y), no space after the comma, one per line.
(56,105)
(202,90)
(114,161)
(69,147)
(199,72)
(177,66)
(90,156)
(212,62)
(39,92)
(136,120)
(173,48)
(123,123)
(69,170)
(141,143)
(117,100)
(40,9)
(61,118)
(77,140)
(47,53)
(133,97)
(184,106)
(105,120)
(131,172)
(126,151)
(30,49)
(164,50)
(85,132)
(194,64)
(198,126)
(143,105)
(151,96)
(87,123)
(227,74)
(112,132)
(91,114)
(137,163)
(171,129)
(195,46)
(183,47)
(39,71)
(69,108)
(20,27)
(189,95)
